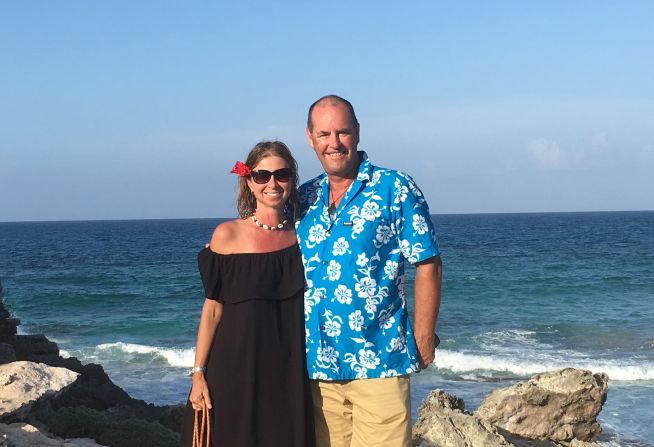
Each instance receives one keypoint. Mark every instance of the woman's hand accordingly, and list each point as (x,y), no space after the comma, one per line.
(199,391)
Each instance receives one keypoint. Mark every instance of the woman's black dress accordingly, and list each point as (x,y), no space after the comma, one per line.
(256,368)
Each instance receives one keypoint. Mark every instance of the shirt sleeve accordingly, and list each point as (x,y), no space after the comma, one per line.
(209,268)
(414,229)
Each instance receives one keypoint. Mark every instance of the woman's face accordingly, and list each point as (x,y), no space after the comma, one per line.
(273,193)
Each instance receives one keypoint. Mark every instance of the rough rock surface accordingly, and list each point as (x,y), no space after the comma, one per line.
(443,422)
(25,435)
(106,409)
(23,383)
(578,443)
(560,406)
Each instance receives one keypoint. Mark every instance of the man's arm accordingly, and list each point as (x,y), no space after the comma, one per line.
(427,301)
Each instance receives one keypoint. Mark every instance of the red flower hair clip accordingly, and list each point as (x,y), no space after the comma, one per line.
(241,169)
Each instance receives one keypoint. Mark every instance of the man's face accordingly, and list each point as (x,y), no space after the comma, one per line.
(334,138)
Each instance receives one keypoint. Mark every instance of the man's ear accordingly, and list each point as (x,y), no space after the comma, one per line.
(308,134)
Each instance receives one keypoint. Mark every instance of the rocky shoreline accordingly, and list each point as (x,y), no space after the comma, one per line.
(48,400)
(558,408)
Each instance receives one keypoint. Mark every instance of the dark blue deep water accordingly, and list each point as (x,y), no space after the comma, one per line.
(522,294)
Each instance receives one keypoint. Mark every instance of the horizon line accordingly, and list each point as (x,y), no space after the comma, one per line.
(234,217)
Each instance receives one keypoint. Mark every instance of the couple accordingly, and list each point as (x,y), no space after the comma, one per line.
(309,285)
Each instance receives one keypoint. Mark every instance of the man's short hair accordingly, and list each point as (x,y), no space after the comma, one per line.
(332,100)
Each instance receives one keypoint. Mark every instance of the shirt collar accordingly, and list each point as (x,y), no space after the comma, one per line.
(365,167)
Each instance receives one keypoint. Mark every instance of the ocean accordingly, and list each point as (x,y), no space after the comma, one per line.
(522,294)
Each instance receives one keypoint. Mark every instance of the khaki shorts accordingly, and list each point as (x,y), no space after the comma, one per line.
(363,412)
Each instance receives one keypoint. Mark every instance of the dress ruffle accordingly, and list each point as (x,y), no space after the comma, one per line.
(287,282)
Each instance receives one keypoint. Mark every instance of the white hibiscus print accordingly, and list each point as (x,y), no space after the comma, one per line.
(389,373)
(327,355)
(368,359)
(362,260)
(343,294)
(390,269)
(359,223)
(386,319)
(341,246)
(384,234)
(370,210)
(366,287)
(401,192)
(397,344)
(416,191)
(420,224)
(376,176)
(405,248)
(371,307)
(356,320)
(317,234)
(332,328)
(333,270)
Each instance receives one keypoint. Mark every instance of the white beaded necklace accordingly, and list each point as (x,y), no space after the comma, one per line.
(266,227)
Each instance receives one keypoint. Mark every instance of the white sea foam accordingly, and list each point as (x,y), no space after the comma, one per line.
(467,364)
(174,357)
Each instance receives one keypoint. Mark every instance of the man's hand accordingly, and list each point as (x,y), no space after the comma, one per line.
(427,301)
(426,350)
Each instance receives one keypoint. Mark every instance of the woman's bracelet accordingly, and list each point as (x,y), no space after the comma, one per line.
(197,369)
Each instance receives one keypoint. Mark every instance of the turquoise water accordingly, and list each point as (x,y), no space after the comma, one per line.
(522,294)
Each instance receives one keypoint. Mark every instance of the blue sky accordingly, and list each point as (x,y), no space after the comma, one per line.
(123,109)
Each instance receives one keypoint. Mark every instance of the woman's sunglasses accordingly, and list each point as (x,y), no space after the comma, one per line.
(262,176)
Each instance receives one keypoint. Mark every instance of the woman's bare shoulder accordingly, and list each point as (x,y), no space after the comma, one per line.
(226,236)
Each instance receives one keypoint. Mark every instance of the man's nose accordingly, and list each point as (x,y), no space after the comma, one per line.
(334,140)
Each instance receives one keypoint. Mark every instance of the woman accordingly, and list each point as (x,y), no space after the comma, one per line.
(249,355)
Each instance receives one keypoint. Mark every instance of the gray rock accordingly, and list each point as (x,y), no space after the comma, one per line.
(559,406)
(25,435)
(35,348)
(23,383)
(443,422)
(578,443)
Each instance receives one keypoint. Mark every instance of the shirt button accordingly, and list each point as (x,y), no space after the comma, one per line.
(325,262)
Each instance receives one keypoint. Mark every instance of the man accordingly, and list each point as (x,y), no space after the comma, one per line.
(359,223)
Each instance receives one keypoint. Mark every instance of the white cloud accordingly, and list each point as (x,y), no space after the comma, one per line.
(548,154)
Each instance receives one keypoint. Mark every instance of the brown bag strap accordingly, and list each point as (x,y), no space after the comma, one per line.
(202,427)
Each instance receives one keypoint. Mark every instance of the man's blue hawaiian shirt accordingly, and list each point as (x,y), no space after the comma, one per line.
(357,324)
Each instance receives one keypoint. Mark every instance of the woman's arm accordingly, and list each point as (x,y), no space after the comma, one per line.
(209,320)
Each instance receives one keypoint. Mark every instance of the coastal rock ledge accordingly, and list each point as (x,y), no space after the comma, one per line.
(443,422)
(23,383)
(26,435)
(551,409)
(48,400)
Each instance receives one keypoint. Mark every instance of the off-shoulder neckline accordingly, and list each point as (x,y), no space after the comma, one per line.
(281,250)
